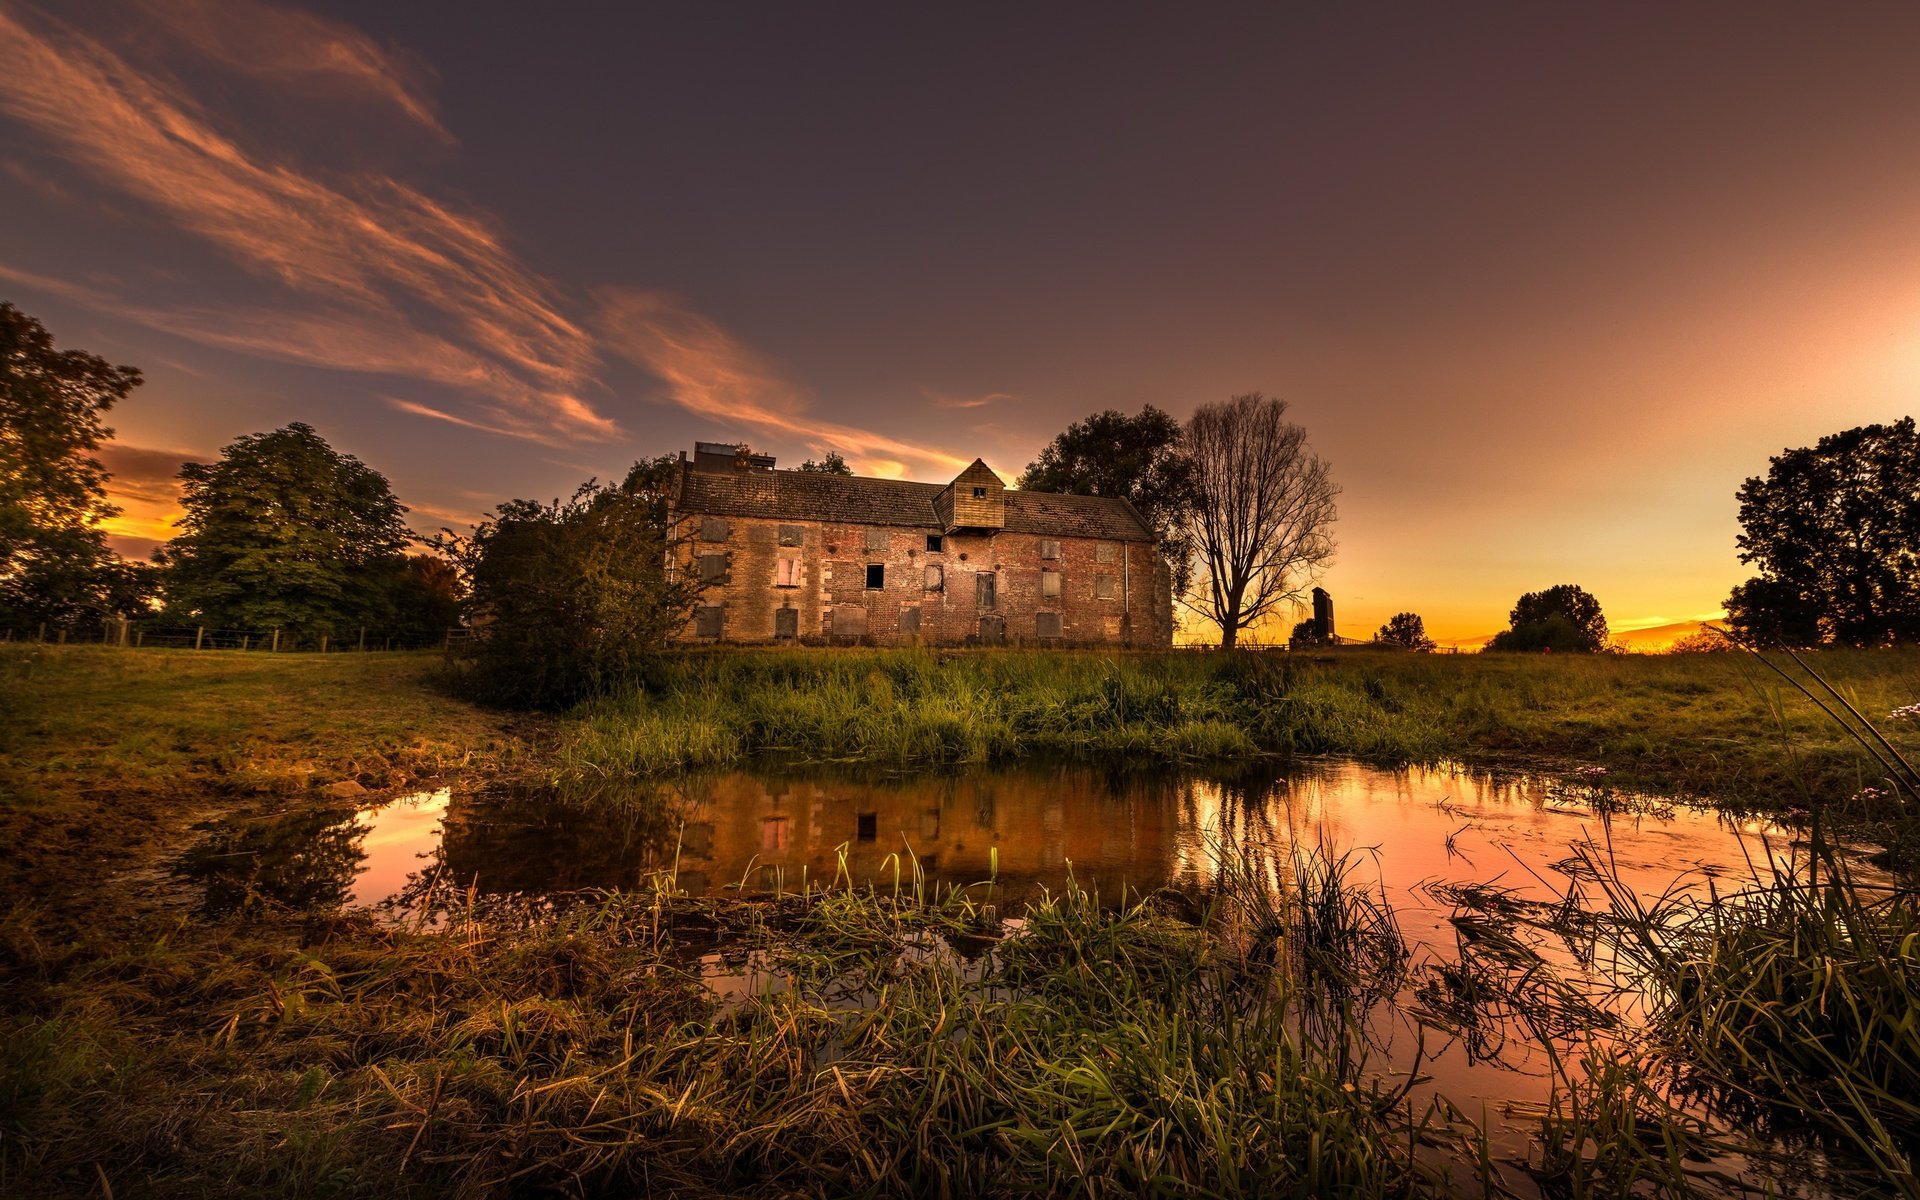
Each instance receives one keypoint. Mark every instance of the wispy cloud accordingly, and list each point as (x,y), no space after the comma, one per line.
(709,372)
(393,280)
(289,46)
(942,400)
(373,274)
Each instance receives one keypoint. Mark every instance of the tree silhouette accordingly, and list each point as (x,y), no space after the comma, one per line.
(1835,532)
(1405,629)
(1261,524)
(1565,618)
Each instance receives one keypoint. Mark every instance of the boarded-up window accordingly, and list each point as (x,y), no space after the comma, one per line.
(1106,552)
(876,541)
(983,589)
(993,630)
(936,577)
(786,573)
(713,568)
(1046,625)
(707,620)
(876,576)
(909,620)
(1103,588)
(791,535)
(1049,549)
(786,622)
(713,529)
(1050,585)
(849,621)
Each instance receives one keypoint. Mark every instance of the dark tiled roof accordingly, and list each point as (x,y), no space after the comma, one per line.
(812,496)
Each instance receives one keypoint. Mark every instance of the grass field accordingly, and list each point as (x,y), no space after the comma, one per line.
(1148,1047)
(1721,726)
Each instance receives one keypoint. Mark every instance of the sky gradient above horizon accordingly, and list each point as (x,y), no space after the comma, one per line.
(1543,283)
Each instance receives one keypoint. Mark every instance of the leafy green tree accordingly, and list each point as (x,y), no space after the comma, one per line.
(1565,618)
(424,596)
(54,561)
(1140,459)
(1835,532)
(285,532)
(832,464)
(571,598)
(1405,629)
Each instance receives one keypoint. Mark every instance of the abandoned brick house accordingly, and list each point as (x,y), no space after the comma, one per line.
(814,557)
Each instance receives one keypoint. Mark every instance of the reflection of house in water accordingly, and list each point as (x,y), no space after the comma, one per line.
(767,832)
(533,844)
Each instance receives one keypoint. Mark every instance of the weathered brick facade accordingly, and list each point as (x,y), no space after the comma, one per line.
(810,557)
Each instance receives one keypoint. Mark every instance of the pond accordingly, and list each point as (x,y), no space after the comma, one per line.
(1453,853)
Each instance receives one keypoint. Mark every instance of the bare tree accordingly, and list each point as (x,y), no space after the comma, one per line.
(1261,523)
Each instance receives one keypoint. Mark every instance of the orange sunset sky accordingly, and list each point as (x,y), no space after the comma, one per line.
(1544,282)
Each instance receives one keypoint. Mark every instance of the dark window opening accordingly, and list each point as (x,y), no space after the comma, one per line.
(979,493)
(866,827)
(935,543)
(876,576)
(983,589)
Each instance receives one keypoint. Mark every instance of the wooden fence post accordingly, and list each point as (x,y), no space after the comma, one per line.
(363,637)
(43,631)
(246,641)
(323,643)
(63,637)
(275,648)
(139,638)
(199,634)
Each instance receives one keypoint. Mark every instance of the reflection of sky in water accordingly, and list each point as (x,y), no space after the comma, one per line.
(400,838)
(1029,827)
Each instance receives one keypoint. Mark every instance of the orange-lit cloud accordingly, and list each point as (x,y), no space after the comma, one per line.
(394,281)
(288,46)
(941,400)
(384,278)
(708,371)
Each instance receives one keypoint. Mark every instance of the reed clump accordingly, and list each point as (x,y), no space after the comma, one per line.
(881,1042)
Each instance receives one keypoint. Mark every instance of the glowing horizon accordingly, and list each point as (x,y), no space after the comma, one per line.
(1544,286)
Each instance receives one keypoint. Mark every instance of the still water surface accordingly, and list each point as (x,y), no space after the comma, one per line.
(1031,829)
(1027,828)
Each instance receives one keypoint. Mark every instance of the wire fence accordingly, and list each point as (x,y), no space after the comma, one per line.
(145,634)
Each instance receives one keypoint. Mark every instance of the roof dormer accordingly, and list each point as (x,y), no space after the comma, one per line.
(975,500)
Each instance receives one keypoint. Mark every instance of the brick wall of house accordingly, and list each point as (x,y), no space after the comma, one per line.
(1096,585)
